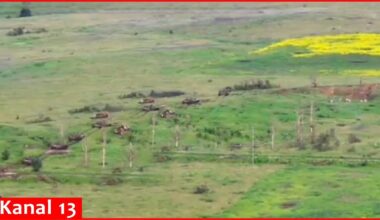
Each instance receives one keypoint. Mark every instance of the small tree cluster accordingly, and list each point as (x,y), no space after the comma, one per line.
(352,139)
(113,179)
(254,84)
(25,11)
(164,94)
(326,141)
(132,95)
(218,133)
(5,155)
(201,189)
(36,164)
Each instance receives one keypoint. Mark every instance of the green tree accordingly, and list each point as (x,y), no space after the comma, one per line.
(5,155)
(25,10)
(36,164)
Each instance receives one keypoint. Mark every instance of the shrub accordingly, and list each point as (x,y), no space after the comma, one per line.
(161,158)
(40,119)
(364,163)
(36,164)
(165,149)
(163,94)
(16,32)
(322,143)
(262,159)
(132,95)
(254,84)
(326,141)
(85,109)
(352,139)
(201,189)
(25,12)
(111,180)
(5,155)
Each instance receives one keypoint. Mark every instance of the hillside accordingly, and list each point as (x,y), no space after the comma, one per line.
(193,110)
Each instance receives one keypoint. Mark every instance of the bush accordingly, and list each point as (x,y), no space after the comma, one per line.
(161,158)
(164,94)
(111,180)
(25,12)
(254,84)
(40,119)
(85,109)
(352,139)
(5,155)
(326,141)
(16,32)
(22,30)
(36,164)
(132,95)
(262,159)
(201,189)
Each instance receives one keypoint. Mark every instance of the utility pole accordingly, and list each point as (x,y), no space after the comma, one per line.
(253,146)
(273,136)
(177,136)
(85,149)
(312,125)
(104,134)
(153,129)
(299,128)
(131,155)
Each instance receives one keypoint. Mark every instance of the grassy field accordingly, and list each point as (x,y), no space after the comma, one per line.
(299,190)
(161,190)
(91,54)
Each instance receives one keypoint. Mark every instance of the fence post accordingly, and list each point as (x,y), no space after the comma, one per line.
(253,146)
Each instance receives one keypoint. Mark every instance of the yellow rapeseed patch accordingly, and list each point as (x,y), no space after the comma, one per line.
(344,44)
(364,73)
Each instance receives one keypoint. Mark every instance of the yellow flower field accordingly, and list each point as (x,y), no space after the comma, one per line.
(364,73)
(344,44)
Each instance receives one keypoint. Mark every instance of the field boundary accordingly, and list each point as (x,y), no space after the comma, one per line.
(260,158)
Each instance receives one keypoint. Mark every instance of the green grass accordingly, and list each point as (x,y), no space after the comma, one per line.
(281,61)
(92,53)
(312,192)
(160,190)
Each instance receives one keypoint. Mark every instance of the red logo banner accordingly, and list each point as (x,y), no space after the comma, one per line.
(40,208)
(199,1)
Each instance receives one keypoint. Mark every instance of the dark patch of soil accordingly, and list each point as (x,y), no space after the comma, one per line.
(201,189)
(132,95)
(97,108)
(165,94)
(289,205)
